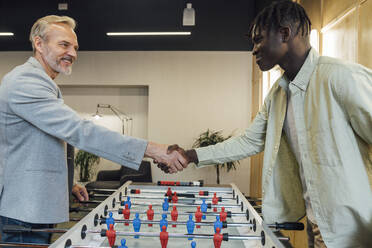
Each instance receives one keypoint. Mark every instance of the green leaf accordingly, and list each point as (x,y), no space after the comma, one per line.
(85,162)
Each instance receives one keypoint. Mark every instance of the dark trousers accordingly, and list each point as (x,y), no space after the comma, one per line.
(24,237)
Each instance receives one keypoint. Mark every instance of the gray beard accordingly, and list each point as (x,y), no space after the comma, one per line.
(55,66)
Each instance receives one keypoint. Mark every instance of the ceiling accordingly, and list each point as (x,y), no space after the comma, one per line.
(221,25)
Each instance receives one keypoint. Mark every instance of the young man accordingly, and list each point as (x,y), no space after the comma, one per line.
(35,122)
(315,129)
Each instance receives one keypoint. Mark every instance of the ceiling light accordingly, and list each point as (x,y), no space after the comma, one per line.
(62,6)
(6,34)
(146,33)
(188,15)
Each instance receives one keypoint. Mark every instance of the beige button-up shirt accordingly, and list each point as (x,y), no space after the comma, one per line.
(333,101)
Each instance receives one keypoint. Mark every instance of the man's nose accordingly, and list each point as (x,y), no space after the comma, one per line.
(73,53)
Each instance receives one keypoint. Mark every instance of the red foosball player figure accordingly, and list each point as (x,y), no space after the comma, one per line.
(150,214)
(217,238)
(174,215)
(198,216)
(169,192)
(126,214)
(111,235)
(175,197)
(164,237)
(215,201)
(223,215)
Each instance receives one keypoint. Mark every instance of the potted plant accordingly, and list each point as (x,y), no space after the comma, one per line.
(85,161)
(208,138)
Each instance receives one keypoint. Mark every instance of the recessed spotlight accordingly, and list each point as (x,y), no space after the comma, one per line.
(62,6)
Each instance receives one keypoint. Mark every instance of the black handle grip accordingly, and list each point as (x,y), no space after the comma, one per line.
(186,195)
(290,226)
(77,209)
(102,220)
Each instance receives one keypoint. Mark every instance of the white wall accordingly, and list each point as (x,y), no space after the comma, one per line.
(188,93)
(132,100)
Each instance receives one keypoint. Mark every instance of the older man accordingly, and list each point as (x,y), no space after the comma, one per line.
(35,122)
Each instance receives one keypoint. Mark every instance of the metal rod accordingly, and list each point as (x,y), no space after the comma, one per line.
(91,202)
(203,223)
(103,190)
(196,198)
(19,229)
(182,191)
(12,244)
(78,209)
(184,205)
(99,195)
(181,213)
(180,235)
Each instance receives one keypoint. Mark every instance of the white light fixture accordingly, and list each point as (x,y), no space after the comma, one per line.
(62,6)
(97,116)
(188,15)
(6,34)
(124,118)
(146,33)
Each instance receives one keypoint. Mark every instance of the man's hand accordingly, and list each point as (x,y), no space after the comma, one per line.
(189,155)
(175,160)
(80,192)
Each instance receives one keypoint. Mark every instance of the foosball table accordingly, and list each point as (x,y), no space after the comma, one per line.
(174,215)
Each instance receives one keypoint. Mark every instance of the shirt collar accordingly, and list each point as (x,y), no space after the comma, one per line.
(303,76)
(33,61)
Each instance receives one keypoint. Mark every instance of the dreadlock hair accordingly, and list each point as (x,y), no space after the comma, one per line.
(279,13)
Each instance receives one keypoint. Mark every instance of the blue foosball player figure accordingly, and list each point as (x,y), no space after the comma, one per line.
(193,244)
(204,208)
(163,222)
(128,202)
(123,241)
(137,225)
(109,221)
(190,226)
(165,204)
(217,224)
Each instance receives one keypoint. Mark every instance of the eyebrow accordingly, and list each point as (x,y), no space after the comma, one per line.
(69,43)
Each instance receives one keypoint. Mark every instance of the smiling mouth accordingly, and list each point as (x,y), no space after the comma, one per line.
(67,60)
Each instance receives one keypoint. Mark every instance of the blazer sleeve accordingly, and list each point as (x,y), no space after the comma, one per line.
(34,98)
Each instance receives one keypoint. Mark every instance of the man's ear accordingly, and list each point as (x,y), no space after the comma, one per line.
(285,33)
(38,43)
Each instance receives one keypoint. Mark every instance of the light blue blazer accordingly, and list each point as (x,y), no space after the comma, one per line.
(34,126)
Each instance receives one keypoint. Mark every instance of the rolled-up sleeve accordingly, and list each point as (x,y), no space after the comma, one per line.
(236,148)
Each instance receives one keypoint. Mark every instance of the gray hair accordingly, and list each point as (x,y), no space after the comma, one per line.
(40,27)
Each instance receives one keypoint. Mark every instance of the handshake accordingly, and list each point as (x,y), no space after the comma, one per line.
(170,159)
